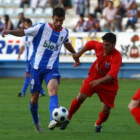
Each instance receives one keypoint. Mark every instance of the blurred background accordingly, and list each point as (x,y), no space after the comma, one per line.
(85,20)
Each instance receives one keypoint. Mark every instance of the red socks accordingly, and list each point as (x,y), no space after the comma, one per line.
(102,118)
(75,105)
(136,113)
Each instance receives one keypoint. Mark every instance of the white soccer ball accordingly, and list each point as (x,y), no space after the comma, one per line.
(60,114)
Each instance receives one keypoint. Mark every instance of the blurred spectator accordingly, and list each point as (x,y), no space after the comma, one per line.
(67,4)
(8,25)
(1,25)
(125,4)
(92,32)
(118,22)
(38,3)
(116,3)
(83,7)
(132,15)
(80,24)
(55,3)
(21,21)
(92,21)
(109,14)
(101,5)
(24,3)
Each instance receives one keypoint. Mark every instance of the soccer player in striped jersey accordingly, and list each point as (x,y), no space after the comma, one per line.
(28,46)
(47,41)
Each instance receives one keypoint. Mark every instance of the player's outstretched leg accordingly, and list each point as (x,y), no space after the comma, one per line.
(75,105)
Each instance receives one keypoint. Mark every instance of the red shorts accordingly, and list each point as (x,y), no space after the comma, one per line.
(137,95)
(106,93)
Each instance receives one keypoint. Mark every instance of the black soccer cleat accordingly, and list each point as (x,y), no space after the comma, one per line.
(20,95)
(64,125)
(98,128)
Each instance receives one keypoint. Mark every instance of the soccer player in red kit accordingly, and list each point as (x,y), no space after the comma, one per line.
(134,106)
(102,78)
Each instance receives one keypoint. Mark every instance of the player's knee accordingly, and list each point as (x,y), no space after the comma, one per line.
(81,98)
(34,99)
(33,102)
(130,106)
(52,92)
(133,104)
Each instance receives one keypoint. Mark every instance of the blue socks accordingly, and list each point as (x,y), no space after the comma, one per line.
(34,112)
(25,85)
(53,104)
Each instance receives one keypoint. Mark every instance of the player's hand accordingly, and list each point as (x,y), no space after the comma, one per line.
(76,58)
(95,83)
(4,32)
(76,64)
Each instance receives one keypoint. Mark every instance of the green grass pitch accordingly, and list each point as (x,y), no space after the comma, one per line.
(16,122)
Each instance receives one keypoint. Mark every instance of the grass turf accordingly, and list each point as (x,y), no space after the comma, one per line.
(16,121)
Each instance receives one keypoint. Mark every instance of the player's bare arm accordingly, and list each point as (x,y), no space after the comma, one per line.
(77,55)
(18,33)
(101,80)
(71,49)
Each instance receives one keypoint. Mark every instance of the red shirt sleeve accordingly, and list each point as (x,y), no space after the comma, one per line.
(115,65)
(93,45)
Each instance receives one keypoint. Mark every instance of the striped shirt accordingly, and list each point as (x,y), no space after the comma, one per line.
(47,44)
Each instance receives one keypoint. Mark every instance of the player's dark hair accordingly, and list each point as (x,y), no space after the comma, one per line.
(110,37)
(60,12)
(28,21)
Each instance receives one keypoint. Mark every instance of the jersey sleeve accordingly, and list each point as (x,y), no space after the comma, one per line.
(115,65)
(93,45)
(32,31)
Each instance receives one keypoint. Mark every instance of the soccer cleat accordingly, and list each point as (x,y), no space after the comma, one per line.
(38,128)
(20,95)
(64,125)
(53,124)
(98,128)
(41,95)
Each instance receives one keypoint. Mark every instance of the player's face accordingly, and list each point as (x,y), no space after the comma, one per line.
(108,47)
(57,22)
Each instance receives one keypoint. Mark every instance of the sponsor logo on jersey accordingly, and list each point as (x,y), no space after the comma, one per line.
(50,46)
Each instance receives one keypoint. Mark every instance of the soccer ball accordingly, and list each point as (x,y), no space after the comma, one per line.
(60,114)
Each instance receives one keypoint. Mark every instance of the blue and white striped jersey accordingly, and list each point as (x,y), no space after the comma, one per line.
(27,43)
(47,44)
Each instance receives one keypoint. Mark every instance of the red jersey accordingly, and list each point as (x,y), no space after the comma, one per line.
(103,65)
